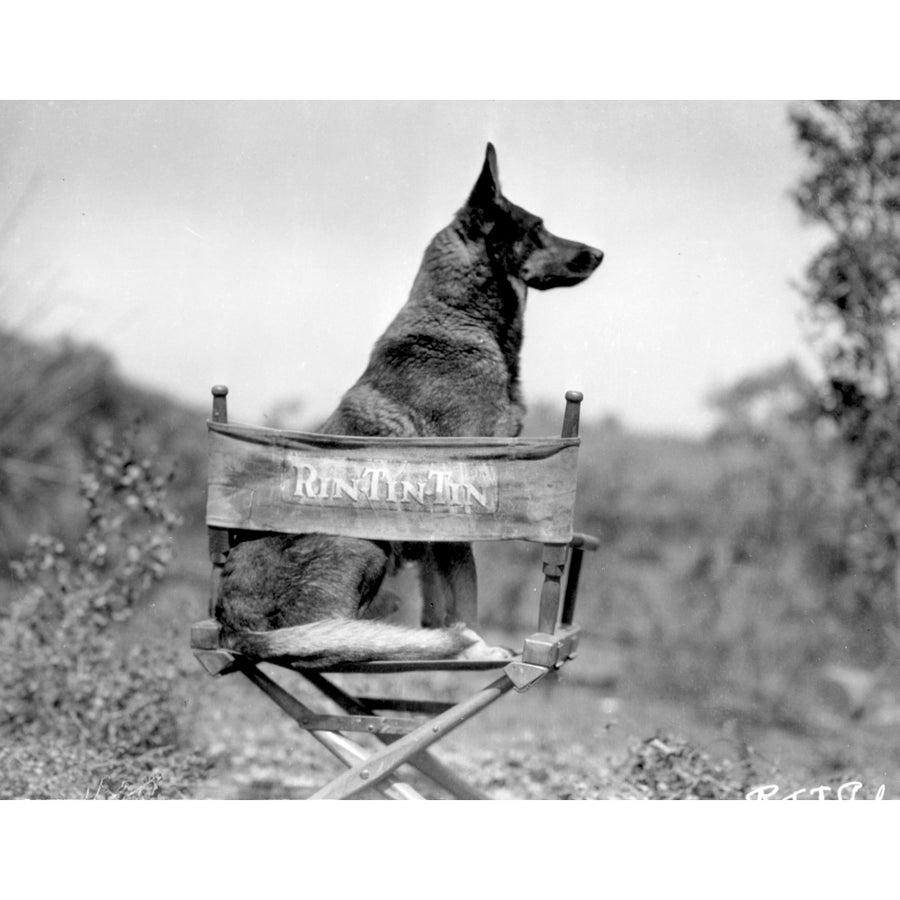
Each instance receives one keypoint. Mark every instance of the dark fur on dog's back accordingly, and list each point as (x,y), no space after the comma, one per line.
(462,326)
(448,365)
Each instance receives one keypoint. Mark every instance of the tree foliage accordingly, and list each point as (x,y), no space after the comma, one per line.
(852,285)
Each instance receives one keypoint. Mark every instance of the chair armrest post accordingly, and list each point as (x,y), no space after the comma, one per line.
(218,537)
(554,562)
(220,403)
(218,553)
(571,424)
(568,612)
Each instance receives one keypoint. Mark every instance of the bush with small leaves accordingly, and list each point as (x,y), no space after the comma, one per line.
(63,677)
(665,767)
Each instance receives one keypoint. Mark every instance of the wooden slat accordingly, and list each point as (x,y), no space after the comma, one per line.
(344,749)
(395,704)
(381,765)
(367,724)
(404,665)
(424,761)
(417,489)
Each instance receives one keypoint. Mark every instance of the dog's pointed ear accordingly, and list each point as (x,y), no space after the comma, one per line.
(486,192)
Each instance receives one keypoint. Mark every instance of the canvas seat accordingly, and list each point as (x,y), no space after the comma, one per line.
(430,489)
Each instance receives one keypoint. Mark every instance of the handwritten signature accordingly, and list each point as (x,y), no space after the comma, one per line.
(846,791)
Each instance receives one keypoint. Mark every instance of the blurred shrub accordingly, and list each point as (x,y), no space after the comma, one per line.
(64,682)
(725,564)
(59,400)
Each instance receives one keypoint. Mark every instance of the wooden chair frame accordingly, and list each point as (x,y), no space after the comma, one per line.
(406,728)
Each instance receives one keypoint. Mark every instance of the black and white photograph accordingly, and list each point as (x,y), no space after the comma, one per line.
(510,449)
(474,402)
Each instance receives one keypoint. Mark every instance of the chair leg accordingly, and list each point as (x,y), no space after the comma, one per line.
(344,749)
(381,765)
(428,764)
(424,761)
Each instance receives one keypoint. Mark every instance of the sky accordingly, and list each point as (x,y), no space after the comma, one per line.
(267,244)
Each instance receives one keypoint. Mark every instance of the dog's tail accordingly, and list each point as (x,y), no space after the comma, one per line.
(332,641)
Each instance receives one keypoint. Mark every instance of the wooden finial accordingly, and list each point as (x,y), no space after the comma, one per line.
(572,414)
(219,406)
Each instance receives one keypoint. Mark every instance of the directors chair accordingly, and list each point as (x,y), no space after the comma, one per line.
(396,489)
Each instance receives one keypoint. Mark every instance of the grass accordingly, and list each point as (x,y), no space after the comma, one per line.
(603,730)
(697,673)
(83,712)
(600,731)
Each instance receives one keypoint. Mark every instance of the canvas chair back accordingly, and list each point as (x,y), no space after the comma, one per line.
(398,489)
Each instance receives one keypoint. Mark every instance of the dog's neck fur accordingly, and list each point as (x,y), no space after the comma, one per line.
(500,296)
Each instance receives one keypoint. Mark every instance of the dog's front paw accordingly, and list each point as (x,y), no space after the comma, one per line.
(479,649)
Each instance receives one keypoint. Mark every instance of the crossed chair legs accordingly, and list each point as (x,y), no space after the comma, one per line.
(405,740)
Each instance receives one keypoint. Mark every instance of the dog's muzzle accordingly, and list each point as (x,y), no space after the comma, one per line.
(550,268)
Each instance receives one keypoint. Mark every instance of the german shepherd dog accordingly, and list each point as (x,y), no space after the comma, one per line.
(448,365)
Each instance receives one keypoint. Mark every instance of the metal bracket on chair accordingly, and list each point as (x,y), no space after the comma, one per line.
(551,650)
(216,662)
(524,675)
(206,635)
(207,646)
